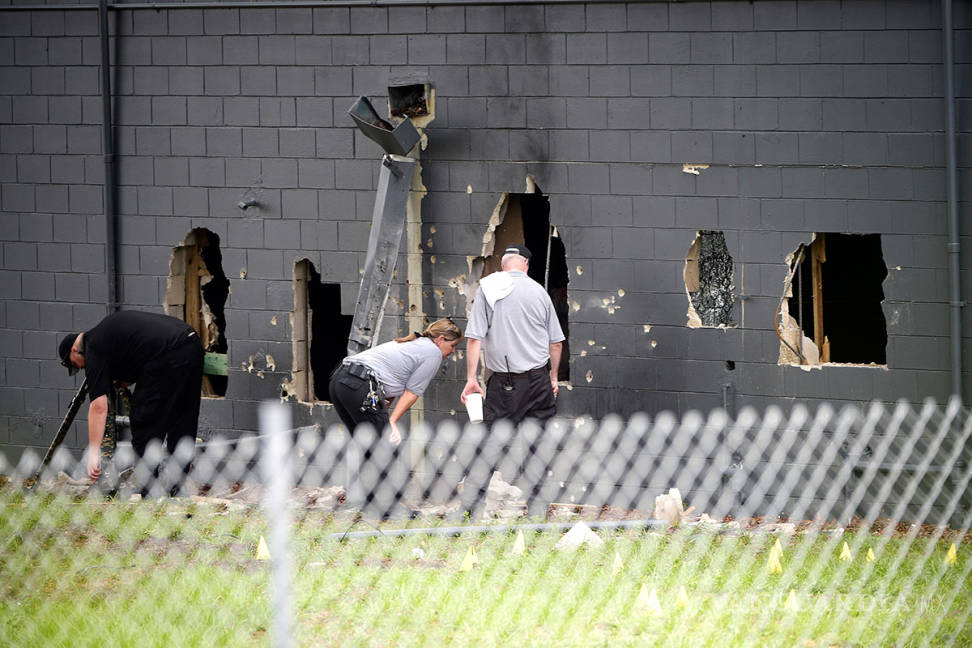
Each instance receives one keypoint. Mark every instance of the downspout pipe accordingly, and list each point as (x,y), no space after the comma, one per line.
(108,152)
(951,175)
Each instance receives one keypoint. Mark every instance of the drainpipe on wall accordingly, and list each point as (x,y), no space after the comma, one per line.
(108,151)
(954,250)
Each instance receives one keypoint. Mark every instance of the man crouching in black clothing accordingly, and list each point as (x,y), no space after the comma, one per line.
(162,356)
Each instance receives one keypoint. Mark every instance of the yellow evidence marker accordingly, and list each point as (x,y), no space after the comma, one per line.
(845,552)
(263,551)
(773,565)
(648,601)
(470,560)
(683,599)
(870,555)
(792,602)
(519,545)
(951,557)
(618,565)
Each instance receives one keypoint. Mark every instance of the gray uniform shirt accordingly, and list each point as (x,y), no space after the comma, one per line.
(401,365)
(520,327)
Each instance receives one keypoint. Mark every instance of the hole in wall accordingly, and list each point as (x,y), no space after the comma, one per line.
(320,332)
(408,100)
(708,281)
(196,293)
(831,311)
(525,217)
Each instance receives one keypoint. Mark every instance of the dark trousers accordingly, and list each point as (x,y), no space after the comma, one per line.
(531,397)
(349,396)
(165,405)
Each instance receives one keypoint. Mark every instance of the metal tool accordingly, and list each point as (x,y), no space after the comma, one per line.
(61,432)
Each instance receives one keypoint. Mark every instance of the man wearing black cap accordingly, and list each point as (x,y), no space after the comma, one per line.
(513,324)
(161,355)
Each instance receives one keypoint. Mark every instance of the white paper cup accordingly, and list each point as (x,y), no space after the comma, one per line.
(474,407)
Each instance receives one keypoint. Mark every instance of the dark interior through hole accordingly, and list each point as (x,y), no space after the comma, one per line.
(533,212)
(852,278)
(408,100)
(215,293)
(329,330)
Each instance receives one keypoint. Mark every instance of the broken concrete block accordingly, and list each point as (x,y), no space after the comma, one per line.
(504,500)
(668,507)
(579,534)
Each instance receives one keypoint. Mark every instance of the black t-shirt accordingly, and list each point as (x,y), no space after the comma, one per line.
(120,346)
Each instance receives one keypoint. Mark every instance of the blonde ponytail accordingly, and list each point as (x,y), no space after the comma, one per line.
(444,327)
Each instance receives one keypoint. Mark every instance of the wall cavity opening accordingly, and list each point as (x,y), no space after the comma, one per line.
(196,292)
(408,100)
(320,333)
(708,281)
(525,218)
(831,308)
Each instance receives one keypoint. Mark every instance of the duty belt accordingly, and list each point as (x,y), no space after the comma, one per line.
(524,374)
(358,370)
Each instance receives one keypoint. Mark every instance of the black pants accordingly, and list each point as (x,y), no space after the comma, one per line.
(165,405)
(531,397)
(348,394)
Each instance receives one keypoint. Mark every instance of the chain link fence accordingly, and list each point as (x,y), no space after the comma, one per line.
(824,528)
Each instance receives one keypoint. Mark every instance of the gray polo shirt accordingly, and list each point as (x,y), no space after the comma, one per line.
(401,365)
(520,327)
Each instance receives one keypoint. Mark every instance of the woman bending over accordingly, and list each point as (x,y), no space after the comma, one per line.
(363,387)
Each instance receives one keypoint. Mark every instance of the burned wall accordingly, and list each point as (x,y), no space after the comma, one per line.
(643,123)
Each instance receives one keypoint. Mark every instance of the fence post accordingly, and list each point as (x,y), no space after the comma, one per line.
(276,462)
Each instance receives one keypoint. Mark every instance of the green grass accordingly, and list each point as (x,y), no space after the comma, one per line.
(93,573)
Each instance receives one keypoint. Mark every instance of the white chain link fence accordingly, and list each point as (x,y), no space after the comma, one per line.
(826,528)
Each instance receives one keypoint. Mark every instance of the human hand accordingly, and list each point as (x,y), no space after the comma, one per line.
(554,385)
(94,464)
(396,434)
(472,386)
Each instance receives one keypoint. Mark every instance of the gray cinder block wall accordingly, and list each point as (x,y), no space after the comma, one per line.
(811,116)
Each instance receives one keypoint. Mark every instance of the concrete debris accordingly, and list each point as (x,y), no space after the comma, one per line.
(708,523)
(669,507)
(579,534)
(694,169)
(786,528)
(504,500)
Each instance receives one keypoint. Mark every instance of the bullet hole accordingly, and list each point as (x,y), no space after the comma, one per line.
(833,297)
(320,333)
(708,281)
(196,292)
(730,365)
